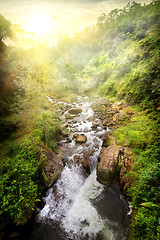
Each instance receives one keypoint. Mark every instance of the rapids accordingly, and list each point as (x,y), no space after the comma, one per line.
(77,206)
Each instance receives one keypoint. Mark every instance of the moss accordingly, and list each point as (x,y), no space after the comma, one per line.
(108,141)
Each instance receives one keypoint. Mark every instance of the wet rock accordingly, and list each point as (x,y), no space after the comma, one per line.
(65,125)
(69,121)
(96,145)
(75,135)
(74,111)
(117,104)
(116,118)
(81,138)
(95,124)
(53,167)
(64,134)
(68,140)
(91,118)
(108,167)
(85,160)
(69,116)
(107,122)
(76,158)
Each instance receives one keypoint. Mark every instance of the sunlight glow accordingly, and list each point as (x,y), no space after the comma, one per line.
(39,25)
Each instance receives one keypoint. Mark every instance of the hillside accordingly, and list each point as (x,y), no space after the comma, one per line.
(119,59)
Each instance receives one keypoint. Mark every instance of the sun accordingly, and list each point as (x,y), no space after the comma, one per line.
(39,25)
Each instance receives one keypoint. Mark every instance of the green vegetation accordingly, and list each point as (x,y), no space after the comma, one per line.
(119,58)
(142,135)
(29,125)
(21,182)
(128,65)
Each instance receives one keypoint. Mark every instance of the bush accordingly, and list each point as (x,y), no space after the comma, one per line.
(20,182)
(146,224)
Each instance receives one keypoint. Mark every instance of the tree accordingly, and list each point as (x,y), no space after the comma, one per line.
(5,31)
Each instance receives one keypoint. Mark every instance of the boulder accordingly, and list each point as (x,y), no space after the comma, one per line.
(81,138)
(95,124)
(69,116)
(91,118)
(115,105)
(74,111)
(108,166)
(53,167)
(68,140)
(76,158)
(106,122)
(64,134)
(85,160)
(64,125)
(75,135)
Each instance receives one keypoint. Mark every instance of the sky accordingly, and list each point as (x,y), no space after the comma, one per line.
(49,19)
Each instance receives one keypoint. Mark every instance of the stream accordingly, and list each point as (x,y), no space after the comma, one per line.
(77,206)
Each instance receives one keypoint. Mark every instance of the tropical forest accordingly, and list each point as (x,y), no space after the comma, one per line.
(80,130)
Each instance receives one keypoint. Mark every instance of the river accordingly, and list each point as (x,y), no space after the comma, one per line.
(77,206)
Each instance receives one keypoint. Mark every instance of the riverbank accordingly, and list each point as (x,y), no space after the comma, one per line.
(73,205)
(137,131)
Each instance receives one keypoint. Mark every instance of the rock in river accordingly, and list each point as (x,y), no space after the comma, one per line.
(69,116)
(85,160)
(53,167)
(74,111)
(109,164)
(75,135)
(81,138)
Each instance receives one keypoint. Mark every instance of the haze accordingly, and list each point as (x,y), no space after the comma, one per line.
(64,17)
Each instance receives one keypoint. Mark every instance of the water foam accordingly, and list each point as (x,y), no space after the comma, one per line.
(72,207)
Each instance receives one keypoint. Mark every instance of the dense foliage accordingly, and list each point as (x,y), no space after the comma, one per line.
(28,127)
(128,65)
(142,134)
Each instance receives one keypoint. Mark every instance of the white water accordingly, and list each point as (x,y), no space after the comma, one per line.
(70,202)
(73,208)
